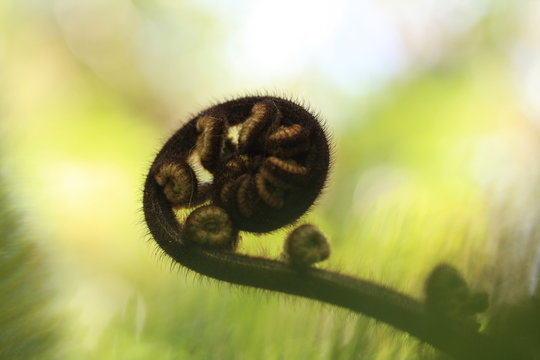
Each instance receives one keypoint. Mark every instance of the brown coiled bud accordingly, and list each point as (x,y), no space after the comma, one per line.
(449,296)
(179,183)
(306,245)
(268,158)
(211,141)
(210,226)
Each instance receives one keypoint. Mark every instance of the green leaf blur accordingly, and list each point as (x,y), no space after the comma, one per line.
(435,160)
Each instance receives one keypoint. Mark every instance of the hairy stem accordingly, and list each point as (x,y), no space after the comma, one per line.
(360,296)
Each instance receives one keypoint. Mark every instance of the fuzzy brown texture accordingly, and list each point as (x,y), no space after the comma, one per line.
(306,245)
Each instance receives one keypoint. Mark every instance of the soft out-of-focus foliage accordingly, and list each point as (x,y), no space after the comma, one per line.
(27,328)
(433,107)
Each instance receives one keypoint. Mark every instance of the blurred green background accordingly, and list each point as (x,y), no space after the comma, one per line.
(434,110)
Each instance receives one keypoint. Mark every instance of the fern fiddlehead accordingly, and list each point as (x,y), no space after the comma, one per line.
(268,160)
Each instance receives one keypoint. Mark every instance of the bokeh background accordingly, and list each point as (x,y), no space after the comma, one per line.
(433,107)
